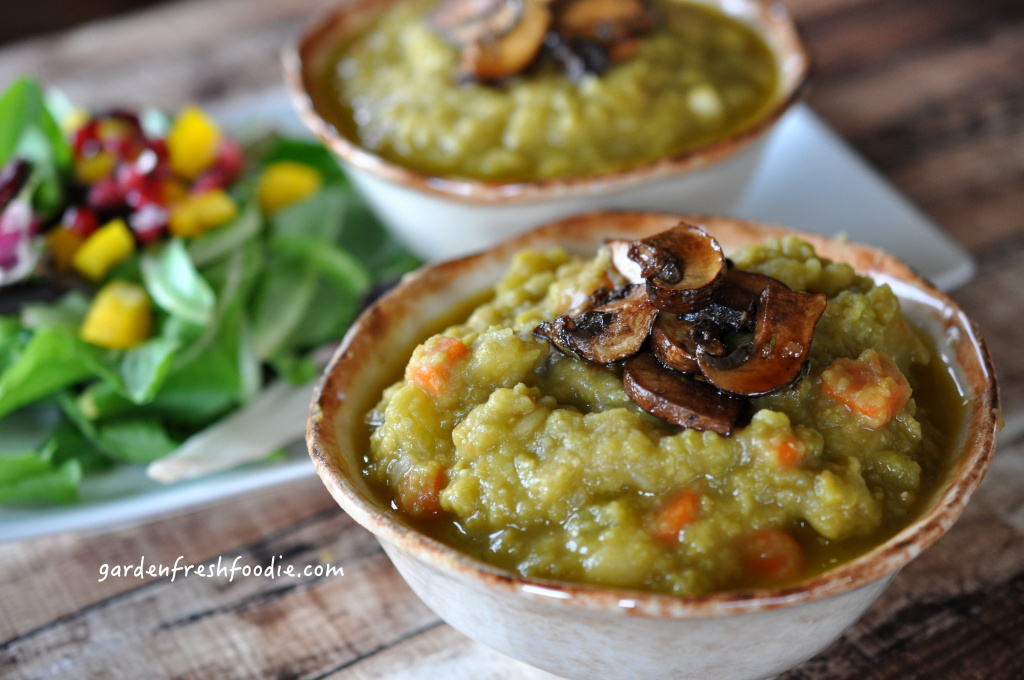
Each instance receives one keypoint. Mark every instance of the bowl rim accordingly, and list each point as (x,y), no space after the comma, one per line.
(773,21)
(975,451)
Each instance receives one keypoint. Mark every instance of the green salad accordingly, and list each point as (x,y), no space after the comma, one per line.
(165,291)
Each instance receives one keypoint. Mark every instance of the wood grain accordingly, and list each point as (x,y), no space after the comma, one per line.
(930,91)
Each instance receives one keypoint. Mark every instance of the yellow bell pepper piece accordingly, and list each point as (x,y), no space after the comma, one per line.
(194,215)
(192,142)
(92,169)
(120,316)
(286,182)
(103,250)
(63,243)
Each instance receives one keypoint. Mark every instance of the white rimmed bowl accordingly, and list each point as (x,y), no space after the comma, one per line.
(440,217)
(580,631)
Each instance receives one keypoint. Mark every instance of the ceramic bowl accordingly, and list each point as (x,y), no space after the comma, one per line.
(441,217)
(580,631)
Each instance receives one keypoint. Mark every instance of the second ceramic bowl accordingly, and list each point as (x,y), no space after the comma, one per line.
(440,217)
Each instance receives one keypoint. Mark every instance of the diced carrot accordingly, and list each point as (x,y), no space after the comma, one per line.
(432,363)
(420,491)
(789,452)
(675,515)
(872,386)
(772,554)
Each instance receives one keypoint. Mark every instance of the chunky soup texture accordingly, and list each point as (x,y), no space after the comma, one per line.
(698,78)
(537,461)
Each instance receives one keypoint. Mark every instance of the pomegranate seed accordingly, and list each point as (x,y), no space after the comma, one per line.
(105,195)
(86,141)
(215,178)
(230,160)
(80,220)
(148,222)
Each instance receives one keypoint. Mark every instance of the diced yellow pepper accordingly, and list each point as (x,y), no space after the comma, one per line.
(103,250)
(120,317)
(192,142)
(63,243)
(73,120)
(196,214)
(286,182)
(92,169)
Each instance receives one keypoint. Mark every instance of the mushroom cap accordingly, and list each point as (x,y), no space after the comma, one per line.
(678,399)
(775,357)
(615,328)
(683,267)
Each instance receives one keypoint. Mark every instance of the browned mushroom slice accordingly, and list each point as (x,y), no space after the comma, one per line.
(775,357)
(607,333)
(735,302)
(493,58)
(619,250)
(683,267)
(677,399)
(607,22)
(461,22)
(674,341)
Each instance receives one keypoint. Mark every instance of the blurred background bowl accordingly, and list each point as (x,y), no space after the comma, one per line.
(441,217)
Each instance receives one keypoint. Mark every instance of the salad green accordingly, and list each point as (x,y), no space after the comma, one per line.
(236,311)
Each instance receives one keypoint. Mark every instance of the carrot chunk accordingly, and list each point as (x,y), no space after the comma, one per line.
(789,453)
(420,492)
(771,554)
(432,363)
(675,515)
(871,386)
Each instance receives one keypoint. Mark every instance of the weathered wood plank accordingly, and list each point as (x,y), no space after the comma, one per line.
(251,626)
(44,579)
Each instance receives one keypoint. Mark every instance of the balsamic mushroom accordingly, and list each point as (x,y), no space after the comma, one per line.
(461,22)
(683,267)
(493,57)
(674,341)
(782,340)
(610,331)
(606,22)
(678,399)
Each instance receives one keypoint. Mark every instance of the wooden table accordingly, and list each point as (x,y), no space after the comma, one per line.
(931,91)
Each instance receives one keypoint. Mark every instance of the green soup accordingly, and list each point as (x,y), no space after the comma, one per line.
(537,462)
(699,77)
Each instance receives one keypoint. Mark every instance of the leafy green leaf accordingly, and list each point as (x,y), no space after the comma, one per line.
(27,130)
(143,368)
(52,361)
(65,314)
(68,443)
(30,478)
(135,440)
(279,304)
(176,286)
(334,263)
(228,239)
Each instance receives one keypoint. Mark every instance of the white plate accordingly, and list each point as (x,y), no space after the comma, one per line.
(809,179)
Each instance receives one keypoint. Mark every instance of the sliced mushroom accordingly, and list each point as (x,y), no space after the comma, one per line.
(607,333)
(607,22)
(619,250)
(683,267)
(735,303)
(782,339)
(677,399)
(461,22)
(675,340)
(496,57)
